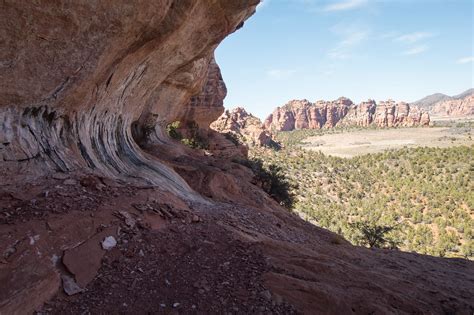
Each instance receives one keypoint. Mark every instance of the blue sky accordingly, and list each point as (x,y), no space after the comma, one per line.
(380,49)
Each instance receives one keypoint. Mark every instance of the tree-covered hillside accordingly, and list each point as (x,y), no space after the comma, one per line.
(424,195)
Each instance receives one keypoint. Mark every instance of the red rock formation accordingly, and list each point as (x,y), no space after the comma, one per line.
(84,82)
(305,115)
(244,126)
(361,114)
(455,108)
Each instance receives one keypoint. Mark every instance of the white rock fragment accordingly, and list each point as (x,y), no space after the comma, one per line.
(54,260)
(109,242)
(70,286)
(34,239)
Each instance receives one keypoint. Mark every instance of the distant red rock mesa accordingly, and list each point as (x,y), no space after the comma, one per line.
(302,114)
(455,107)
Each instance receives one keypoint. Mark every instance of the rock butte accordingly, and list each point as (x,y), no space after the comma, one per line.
(245,126)
(302,114)
(86,89)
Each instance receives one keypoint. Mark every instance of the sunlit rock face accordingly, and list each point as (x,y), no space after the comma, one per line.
(303,114)
(455,108)
(245,126)
(82,82)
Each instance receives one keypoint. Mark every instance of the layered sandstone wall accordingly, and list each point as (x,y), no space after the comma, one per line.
(244,126)
(82,82)
(455,108)
(321,114)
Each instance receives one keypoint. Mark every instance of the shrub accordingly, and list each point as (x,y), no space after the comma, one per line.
(233,137)
(172,130)
(273,181)
(195,143)
(373,235)
(193,139)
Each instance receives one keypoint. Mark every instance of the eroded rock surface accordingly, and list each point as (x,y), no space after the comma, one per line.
(243,126)
(456,108)
(82,82)
(302,114)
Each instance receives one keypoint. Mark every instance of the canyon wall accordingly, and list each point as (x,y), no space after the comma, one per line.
(81,83)
(302,114)
(455,108)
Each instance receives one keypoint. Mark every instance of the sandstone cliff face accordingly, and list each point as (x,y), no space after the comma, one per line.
(81,83)
(306,115)
(390,114)
(244,126)
(303,114)
(455,108)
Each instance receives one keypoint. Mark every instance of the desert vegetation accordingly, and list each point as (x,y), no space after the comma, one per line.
(415,199)
(188,134)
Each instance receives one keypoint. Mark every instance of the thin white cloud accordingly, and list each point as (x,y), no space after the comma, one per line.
(415,50)
(279,74)
(339,53)
(414,37)
(354,38)
(465,60)
(345,5)
(351,37)
(388,35)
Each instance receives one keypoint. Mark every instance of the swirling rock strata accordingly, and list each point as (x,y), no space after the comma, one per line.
(83,82)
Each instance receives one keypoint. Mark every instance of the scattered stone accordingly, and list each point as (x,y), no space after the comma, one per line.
(70,286)
(196,219)
(60,176)
(266,294)
(109,243)
(129,220)
(175,305)
(54,259)
(34,239)
(70,182)
(9,251)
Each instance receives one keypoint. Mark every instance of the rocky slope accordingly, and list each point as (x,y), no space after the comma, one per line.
(462,107)
(303,114)
(429,101)
(438,104)
(87,90)
(244,126)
